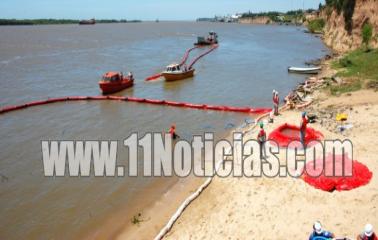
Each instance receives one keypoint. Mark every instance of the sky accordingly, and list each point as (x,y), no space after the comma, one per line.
(142,9)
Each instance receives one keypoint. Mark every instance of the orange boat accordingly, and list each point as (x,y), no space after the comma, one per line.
(113,82)
(174,72)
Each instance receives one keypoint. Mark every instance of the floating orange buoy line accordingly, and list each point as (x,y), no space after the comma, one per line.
(213,47)
(186,55)
(139,100)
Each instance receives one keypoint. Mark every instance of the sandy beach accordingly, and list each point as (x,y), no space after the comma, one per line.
(276,208)
(263,208)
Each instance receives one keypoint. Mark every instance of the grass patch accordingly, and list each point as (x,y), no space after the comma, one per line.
(358,64)
(316,25)
(346,87)
(358,69)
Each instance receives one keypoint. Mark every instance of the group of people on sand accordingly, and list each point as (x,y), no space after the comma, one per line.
(319,233)
(261,136)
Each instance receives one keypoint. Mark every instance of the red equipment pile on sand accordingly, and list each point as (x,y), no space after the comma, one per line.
(286,133)
(360,176)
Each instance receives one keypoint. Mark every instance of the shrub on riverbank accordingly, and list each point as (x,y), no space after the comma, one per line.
(316,25)
(367,34)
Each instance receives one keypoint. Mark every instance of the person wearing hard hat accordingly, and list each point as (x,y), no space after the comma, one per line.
(303,128)
(261,138)
(130,76)
(368,233)
(320,233)
(276,102)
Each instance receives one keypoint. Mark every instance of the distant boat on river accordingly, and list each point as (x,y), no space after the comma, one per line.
(88,22)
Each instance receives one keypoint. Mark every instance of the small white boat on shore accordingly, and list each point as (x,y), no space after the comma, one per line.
(304,70)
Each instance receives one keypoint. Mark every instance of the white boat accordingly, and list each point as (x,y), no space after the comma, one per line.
(304,70)
(174,72)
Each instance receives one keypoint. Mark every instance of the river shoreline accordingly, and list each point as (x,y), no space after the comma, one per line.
(262,207)
(170,201)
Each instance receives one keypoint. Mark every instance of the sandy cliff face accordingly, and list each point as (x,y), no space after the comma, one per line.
(335,35)
(255,20)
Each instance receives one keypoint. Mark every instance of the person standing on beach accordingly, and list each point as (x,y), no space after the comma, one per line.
(303,128)
(368,233)
(276,102)
(261,138)
(319,233)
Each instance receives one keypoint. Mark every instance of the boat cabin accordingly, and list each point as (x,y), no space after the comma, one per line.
(213,37)
(112,77)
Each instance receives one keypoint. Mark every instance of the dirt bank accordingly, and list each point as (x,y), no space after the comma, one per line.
(336,35)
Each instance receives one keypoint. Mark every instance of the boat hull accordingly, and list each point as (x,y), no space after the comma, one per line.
(205,43)
(178,76)
(304,70)
(113,87)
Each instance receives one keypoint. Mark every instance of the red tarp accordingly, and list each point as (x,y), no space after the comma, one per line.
(287,133)
(360,176)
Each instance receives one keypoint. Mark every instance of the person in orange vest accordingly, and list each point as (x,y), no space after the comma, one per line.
(303,128)
(261,139)
(172,131)
(368,233)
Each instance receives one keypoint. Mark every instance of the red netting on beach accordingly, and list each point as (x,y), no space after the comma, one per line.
(287,133)
(359,174)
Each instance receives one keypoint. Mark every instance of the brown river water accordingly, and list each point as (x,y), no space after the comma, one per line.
(37,62)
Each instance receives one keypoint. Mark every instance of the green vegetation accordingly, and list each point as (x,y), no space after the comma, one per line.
(367,34)
(358,69)
(358,63)
(36,21)
(316,25)
(280,17)
(274,16)
(345,6)
(55,21)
